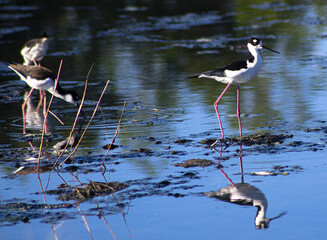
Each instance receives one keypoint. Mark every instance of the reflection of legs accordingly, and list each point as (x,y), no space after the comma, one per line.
(219,157)
(221,167)
(216,108)
(241,164)
(42,93)
(238,109)
(23,109)
(221,170)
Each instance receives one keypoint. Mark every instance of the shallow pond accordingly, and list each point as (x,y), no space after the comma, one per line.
(145,190)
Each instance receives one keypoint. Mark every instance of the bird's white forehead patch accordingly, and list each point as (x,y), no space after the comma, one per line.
(255,41)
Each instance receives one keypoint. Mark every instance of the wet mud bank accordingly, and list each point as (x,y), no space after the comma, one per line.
(117,195)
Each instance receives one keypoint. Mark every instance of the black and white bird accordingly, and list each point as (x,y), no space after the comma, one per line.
(42,78)
(35,50)
(237,73)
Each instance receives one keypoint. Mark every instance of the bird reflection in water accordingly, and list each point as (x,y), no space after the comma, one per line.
(70,141)
(244,194)
(30,164)
(34,116)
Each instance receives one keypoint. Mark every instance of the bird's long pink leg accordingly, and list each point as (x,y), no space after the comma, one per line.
(238,109)
(216,107)
(23,109)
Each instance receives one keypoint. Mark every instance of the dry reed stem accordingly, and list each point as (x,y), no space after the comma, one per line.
(105,123)
(129,232)
(46,115)
(45,203)
(56,117)
(87,126)
(77,114)
(84,220)
(108,226)
(103,167)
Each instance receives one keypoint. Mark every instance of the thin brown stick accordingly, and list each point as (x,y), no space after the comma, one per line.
(77,114)
(46,115)
(45,203)
(56,117)
(62,179)
(103,167)
(108,226)
(129,232)
(84,219)
(87,126)
(105,123)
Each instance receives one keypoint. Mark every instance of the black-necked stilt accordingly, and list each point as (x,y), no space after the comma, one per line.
(35,50)
(237,73)
(42,78)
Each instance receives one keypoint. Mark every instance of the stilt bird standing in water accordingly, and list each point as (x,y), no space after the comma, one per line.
(42,78)
(35,50)
(237,73)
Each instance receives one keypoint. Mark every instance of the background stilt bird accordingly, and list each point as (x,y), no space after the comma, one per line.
(35,50)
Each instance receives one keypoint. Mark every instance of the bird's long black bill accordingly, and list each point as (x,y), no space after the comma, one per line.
(265,47)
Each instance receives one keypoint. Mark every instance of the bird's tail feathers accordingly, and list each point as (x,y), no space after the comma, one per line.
(194,75)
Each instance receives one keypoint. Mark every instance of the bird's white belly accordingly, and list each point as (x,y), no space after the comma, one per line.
(239,76)
(242,76)
(37,52)
(40,84)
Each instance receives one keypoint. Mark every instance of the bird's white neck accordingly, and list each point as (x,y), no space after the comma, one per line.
(260,219)
(63,95)
(254,52)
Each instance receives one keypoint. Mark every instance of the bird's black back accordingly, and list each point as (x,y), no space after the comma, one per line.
(35,72)
(220,72)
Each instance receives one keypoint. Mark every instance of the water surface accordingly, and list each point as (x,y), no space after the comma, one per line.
(147,49)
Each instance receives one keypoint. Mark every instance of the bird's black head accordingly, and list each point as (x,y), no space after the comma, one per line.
(254,41)
(70,96)
(75,96)
(257,44)
(45,35)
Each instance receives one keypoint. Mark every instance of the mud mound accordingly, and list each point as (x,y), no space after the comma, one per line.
(93,189)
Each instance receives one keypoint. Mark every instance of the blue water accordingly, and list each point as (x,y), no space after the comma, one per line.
(147,50)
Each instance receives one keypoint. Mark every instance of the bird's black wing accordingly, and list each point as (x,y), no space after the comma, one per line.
(41,73)
(31,43)
(220,72)
(33,71)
